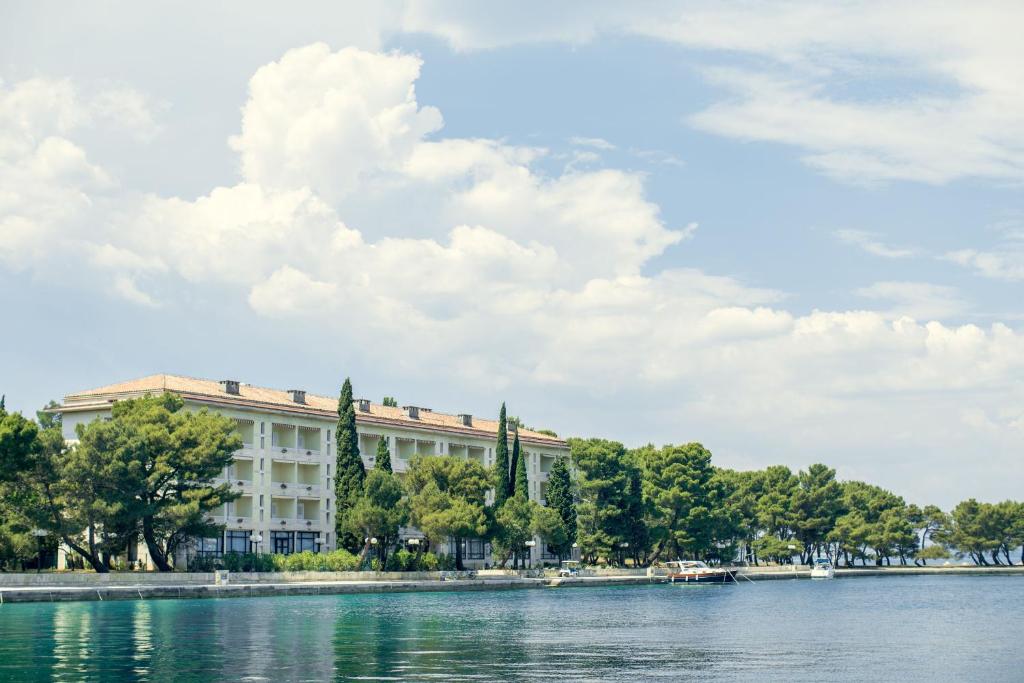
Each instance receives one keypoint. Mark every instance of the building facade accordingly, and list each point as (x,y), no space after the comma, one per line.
(285,468)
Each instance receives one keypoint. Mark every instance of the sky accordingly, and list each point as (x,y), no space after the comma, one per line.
(790,231)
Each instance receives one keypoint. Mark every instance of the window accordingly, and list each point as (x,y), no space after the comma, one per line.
(237,541)
(212,547)
(547,553)
(306,541)
(472,549)
(283,542)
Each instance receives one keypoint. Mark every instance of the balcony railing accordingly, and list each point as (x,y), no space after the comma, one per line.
(293,524)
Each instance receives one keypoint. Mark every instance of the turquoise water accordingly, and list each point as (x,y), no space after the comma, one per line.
(890,628)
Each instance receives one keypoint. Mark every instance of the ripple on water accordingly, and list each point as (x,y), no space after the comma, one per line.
(918,628)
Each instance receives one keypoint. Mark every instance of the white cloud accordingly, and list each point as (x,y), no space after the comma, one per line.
(326,119)
(918,300)
(956,74)
(484,270)
(596,143)
(867,242)
(999,265)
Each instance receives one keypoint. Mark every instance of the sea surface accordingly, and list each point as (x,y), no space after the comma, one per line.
(921,628)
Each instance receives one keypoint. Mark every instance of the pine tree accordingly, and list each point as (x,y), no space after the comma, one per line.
(558,495)
(522,487)
(349,471)
(383,460)
(501,487)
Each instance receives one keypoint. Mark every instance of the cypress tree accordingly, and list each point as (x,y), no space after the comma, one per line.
(383,460)
(349,471)
(513,465)
(501,487)
(522,484)
(559,496)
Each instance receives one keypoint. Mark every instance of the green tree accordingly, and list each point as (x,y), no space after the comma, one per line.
(676,485)
(636,532)
(43,486)
(383,459)
(816,504)
(935,551)
(378,513)
(559,496)
(349,472)
(390,402)
(742,490)
(547,523)
(775,501)
(502,484)
(447,499)
(522,483)
(148,469)
(514,528)
(603,480)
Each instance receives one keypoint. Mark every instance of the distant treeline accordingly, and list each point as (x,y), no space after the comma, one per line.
(148,473)
(650,504)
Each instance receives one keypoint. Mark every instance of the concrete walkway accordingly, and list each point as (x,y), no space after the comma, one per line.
(149,591)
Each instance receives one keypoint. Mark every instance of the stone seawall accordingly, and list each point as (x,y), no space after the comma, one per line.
(102,587)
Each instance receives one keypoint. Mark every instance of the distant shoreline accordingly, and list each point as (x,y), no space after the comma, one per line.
(183,586)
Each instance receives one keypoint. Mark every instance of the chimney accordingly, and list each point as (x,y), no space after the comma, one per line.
(363,405)
(298,395)
(230,386)
(412,412)
(466,420)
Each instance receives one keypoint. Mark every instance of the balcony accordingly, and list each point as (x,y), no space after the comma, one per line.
(293,524)
(292,488)
(241,485)
(238,523)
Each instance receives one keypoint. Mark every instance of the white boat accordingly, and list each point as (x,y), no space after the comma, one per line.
(683,571)
(823,569)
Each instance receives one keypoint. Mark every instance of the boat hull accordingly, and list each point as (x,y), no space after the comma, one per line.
(722,576)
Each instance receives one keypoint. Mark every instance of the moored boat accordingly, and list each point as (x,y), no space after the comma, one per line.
(695,571)
(823,569)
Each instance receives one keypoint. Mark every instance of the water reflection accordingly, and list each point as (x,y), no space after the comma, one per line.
(794,630)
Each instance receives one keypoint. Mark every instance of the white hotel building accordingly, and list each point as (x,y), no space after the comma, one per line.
(285,467)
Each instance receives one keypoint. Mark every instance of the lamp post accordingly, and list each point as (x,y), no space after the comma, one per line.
(529,551)
(256,539)
(39,534)
(791,549)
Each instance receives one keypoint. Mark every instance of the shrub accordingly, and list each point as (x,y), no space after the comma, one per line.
(428,562)
(402,561)
(340,560)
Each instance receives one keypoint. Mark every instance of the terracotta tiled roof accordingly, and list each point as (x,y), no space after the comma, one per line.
(275,399)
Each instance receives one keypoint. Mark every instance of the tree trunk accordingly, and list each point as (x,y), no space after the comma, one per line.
(458,554)
(93,561)
(155,553)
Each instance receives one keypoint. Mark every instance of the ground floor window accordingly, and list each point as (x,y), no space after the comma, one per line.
(210,547)
(306,541)
(282,542)
(237,541)
(548,553)
(472,549)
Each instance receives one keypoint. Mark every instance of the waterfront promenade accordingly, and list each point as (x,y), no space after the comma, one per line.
(15,588)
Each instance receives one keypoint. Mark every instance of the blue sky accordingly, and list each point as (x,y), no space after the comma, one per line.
(791,232)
